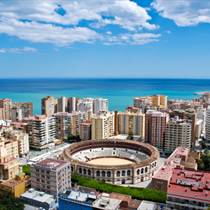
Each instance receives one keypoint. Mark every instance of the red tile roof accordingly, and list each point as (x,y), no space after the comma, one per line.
(52,163)
(190,185)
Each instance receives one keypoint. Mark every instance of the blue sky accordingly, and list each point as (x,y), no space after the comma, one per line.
(112,39)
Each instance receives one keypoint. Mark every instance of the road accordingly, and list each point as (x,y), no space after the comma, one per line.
(35,156)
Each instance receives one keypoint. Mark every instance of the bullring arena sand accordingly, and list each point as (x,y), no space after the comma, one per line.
(109,161)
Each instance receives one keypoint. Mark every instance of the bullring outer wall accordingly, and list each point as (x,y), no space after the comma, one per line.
(117,174)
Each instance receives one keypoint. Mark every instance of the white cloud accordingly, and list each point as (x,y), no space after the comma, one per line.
(2,51)
(56,49)
(18,50)
(168,32)
(109,32)
(47,33)
(38,21)
(133,39)
(184,13)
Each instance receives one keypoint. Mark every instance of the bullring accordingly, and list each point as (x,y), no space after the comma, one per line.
(142,160)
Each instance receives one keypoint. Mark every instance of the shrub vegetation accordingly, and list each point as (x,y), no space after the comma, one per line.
(136,193)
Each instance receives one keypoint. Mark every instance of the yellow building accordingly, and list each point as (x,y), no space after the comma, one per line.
(102,125)
(129,121)
(17,186)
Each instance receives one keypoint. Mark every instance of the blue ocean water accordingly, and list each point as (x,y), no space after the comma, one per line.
(119,92)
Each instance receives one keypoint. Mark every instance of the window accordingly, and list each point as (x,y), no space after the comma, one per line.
(108,174)
(138,171)
(80,170)
(118,173)
(98,173)
(48,172)
(48,182)
(84,171)
(48,187)
(89,172)
(103,173)
(37,170)
(123,173)
(48,177)
(37,180)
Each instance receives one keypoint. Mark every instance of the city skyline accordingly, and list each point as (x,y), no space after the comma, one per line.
(118,39)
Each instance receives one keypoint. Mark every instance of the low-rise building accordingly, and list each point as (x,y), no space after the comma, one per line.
(9,167)
(51,176)
(182,158)
(16,186)
(39,199)
(85,130)
(188,189)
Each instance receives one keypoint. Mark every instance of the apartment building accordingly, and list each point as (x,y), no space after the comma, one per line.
(41,130)
(201,115)
(208,125)
(155,124)
(72,104)
(188,189)
(6,105)
(51,176)
(178,133)
(27,108)
(159,100)
(2,114)
(17,185)
(17,135)
(85,130)
(189,115)
(85,106)
(180,158)
(9,167)
(62,104)
(16,114)
(133,109)
(100,104)
(128,121)
(68,123)
(49,106)
(102,126)
(11,146)
(94,105)
(139,101)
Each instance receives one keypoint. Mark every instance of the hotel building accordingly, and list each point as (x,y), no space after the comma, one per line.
(208,125)
(41,130)
(62,104)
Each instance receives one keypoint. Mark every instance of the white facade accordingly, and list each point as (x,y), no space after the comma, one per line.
(100,104)
(201,115)
(208,124)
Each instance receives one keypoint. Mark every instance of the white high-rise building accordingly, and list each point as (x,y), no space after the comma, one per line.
(100,104)
(201,115)
(208,124)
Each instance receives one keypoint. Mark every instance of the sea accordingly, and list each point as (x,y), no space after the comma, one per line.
(119,92)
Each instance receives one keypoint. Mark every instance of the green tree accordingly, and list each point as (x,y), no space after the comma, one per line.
(130,135)
(77,137)
(201,165)
(71,137)
(7,202)
(206,151)
(26,170)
